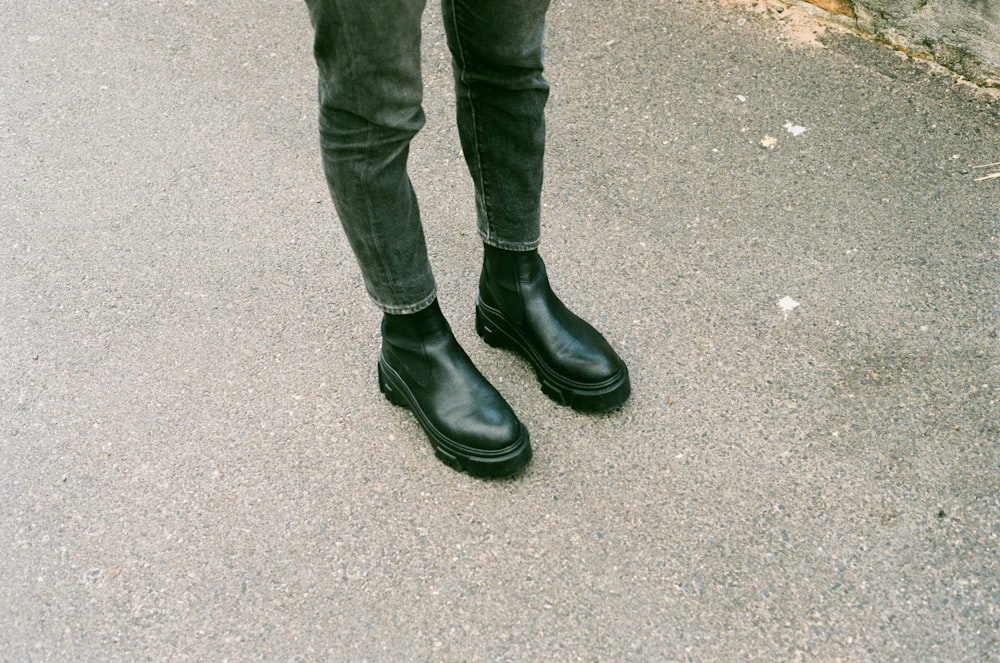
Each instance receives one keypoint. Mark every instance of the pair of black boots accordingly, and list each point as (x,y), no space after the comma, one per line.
(470,425)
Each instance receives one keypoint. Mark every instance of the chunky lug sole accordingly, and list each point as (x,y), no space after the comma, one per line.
(477,462)
(498,331)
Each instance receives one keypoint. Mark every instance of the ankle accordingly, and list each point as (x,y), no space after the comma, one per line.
(493,254)
(507,267)
(419,324)
(432,310)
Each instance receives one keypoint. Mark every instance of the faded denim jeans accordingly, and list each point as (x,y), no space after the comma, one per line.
(370,94)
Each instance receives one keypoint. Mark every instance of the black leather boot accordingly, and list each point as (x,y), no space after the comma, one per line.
(517,309)
(470,425)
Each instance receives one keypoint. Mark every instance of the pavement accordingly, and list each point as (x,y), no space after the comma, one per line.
(787,238)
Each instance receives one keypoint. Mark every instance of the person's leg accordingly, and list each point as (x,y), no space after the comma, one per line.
(370,95)
(497,57)
(368,54)
(500,97)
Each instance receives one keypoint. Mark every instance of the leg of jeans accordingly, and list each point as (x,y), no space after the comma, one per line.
(370,94)
(496,48)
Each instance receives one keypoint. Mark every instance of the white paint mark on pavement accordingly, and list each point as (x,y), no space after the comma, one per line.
(795,129)
(787,305)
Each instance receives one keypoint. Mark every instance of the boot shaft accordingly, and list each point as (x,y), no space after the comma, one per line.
(412,330)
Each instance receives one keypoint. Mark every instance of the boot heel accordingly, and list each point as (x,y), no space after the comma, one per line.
(385,386)
(487,331)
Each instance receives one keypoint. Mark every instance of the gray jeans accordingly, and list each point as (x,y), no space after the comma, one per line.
(370,94)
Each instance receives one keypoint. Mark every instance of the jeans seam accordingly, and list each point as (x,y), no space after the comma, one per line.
(483,204)
(370,214)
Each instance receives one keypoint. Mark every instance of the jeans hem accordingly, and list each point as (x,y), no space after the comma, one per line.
(405,309)
(512,246)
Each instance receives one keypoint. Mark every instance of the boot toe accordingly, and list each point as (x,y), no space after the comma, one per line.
(482,426)
(590,359)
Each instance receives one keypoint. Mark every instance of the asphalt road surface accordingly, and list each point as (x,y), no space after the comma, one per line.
(789,243)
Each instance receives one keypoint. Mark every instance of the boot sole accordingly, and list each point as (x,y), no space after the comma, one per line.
(497,464)
(499,332)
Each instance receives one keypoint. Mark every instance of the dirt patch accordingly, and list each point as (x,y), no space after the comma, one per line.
(801,23)
(798,24)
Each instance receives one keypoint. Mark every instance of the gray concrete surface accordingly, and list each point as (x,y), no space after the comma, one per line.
(961,35)
(195,463)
